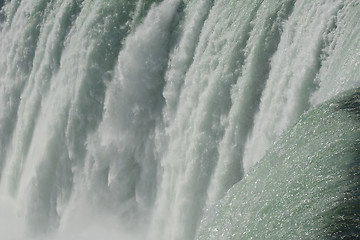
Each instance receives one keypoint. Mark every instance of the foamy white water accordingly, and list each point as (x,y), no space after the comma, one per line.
(127,119)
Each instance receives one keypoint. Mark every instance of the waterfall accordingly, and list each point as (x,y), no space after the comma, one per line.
(144,119)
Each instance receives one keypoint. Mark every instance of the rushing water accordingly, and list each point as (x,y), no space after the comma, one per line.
(306,186)
(124,119)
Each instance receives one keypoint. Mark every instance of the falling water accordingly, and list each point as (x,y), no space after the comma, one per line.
(141,119)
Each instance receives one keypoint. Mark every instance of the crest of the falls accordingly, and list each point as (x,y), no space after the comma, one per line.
(127,119)
(306,186)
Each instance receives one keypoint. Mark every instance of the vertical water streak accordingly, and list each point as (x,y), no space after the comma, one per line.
(119,175)
(264,28)
(71,100)
(196,13)
(198,118)
(18,45)
(292,77)
(341,54)
(46,64)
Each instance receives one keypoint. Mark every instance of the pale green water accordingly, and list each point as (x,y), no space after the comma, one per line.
(306,186)
(124,119)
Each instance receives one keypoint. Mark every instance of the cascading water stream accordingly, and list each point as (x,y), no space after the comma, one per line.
(131,119)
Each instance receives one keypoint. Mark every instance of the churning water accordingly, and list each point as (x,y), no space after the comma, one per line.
(179,119)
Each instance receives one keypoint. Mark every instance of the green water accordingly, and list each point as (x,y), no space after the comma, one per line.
(306,187)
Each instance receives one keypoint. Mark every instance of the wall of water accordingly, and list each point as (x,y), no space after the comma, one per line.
(129,118)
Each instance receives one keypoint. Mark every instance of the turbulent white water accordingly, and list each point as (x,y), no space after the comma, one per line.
(127,119)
